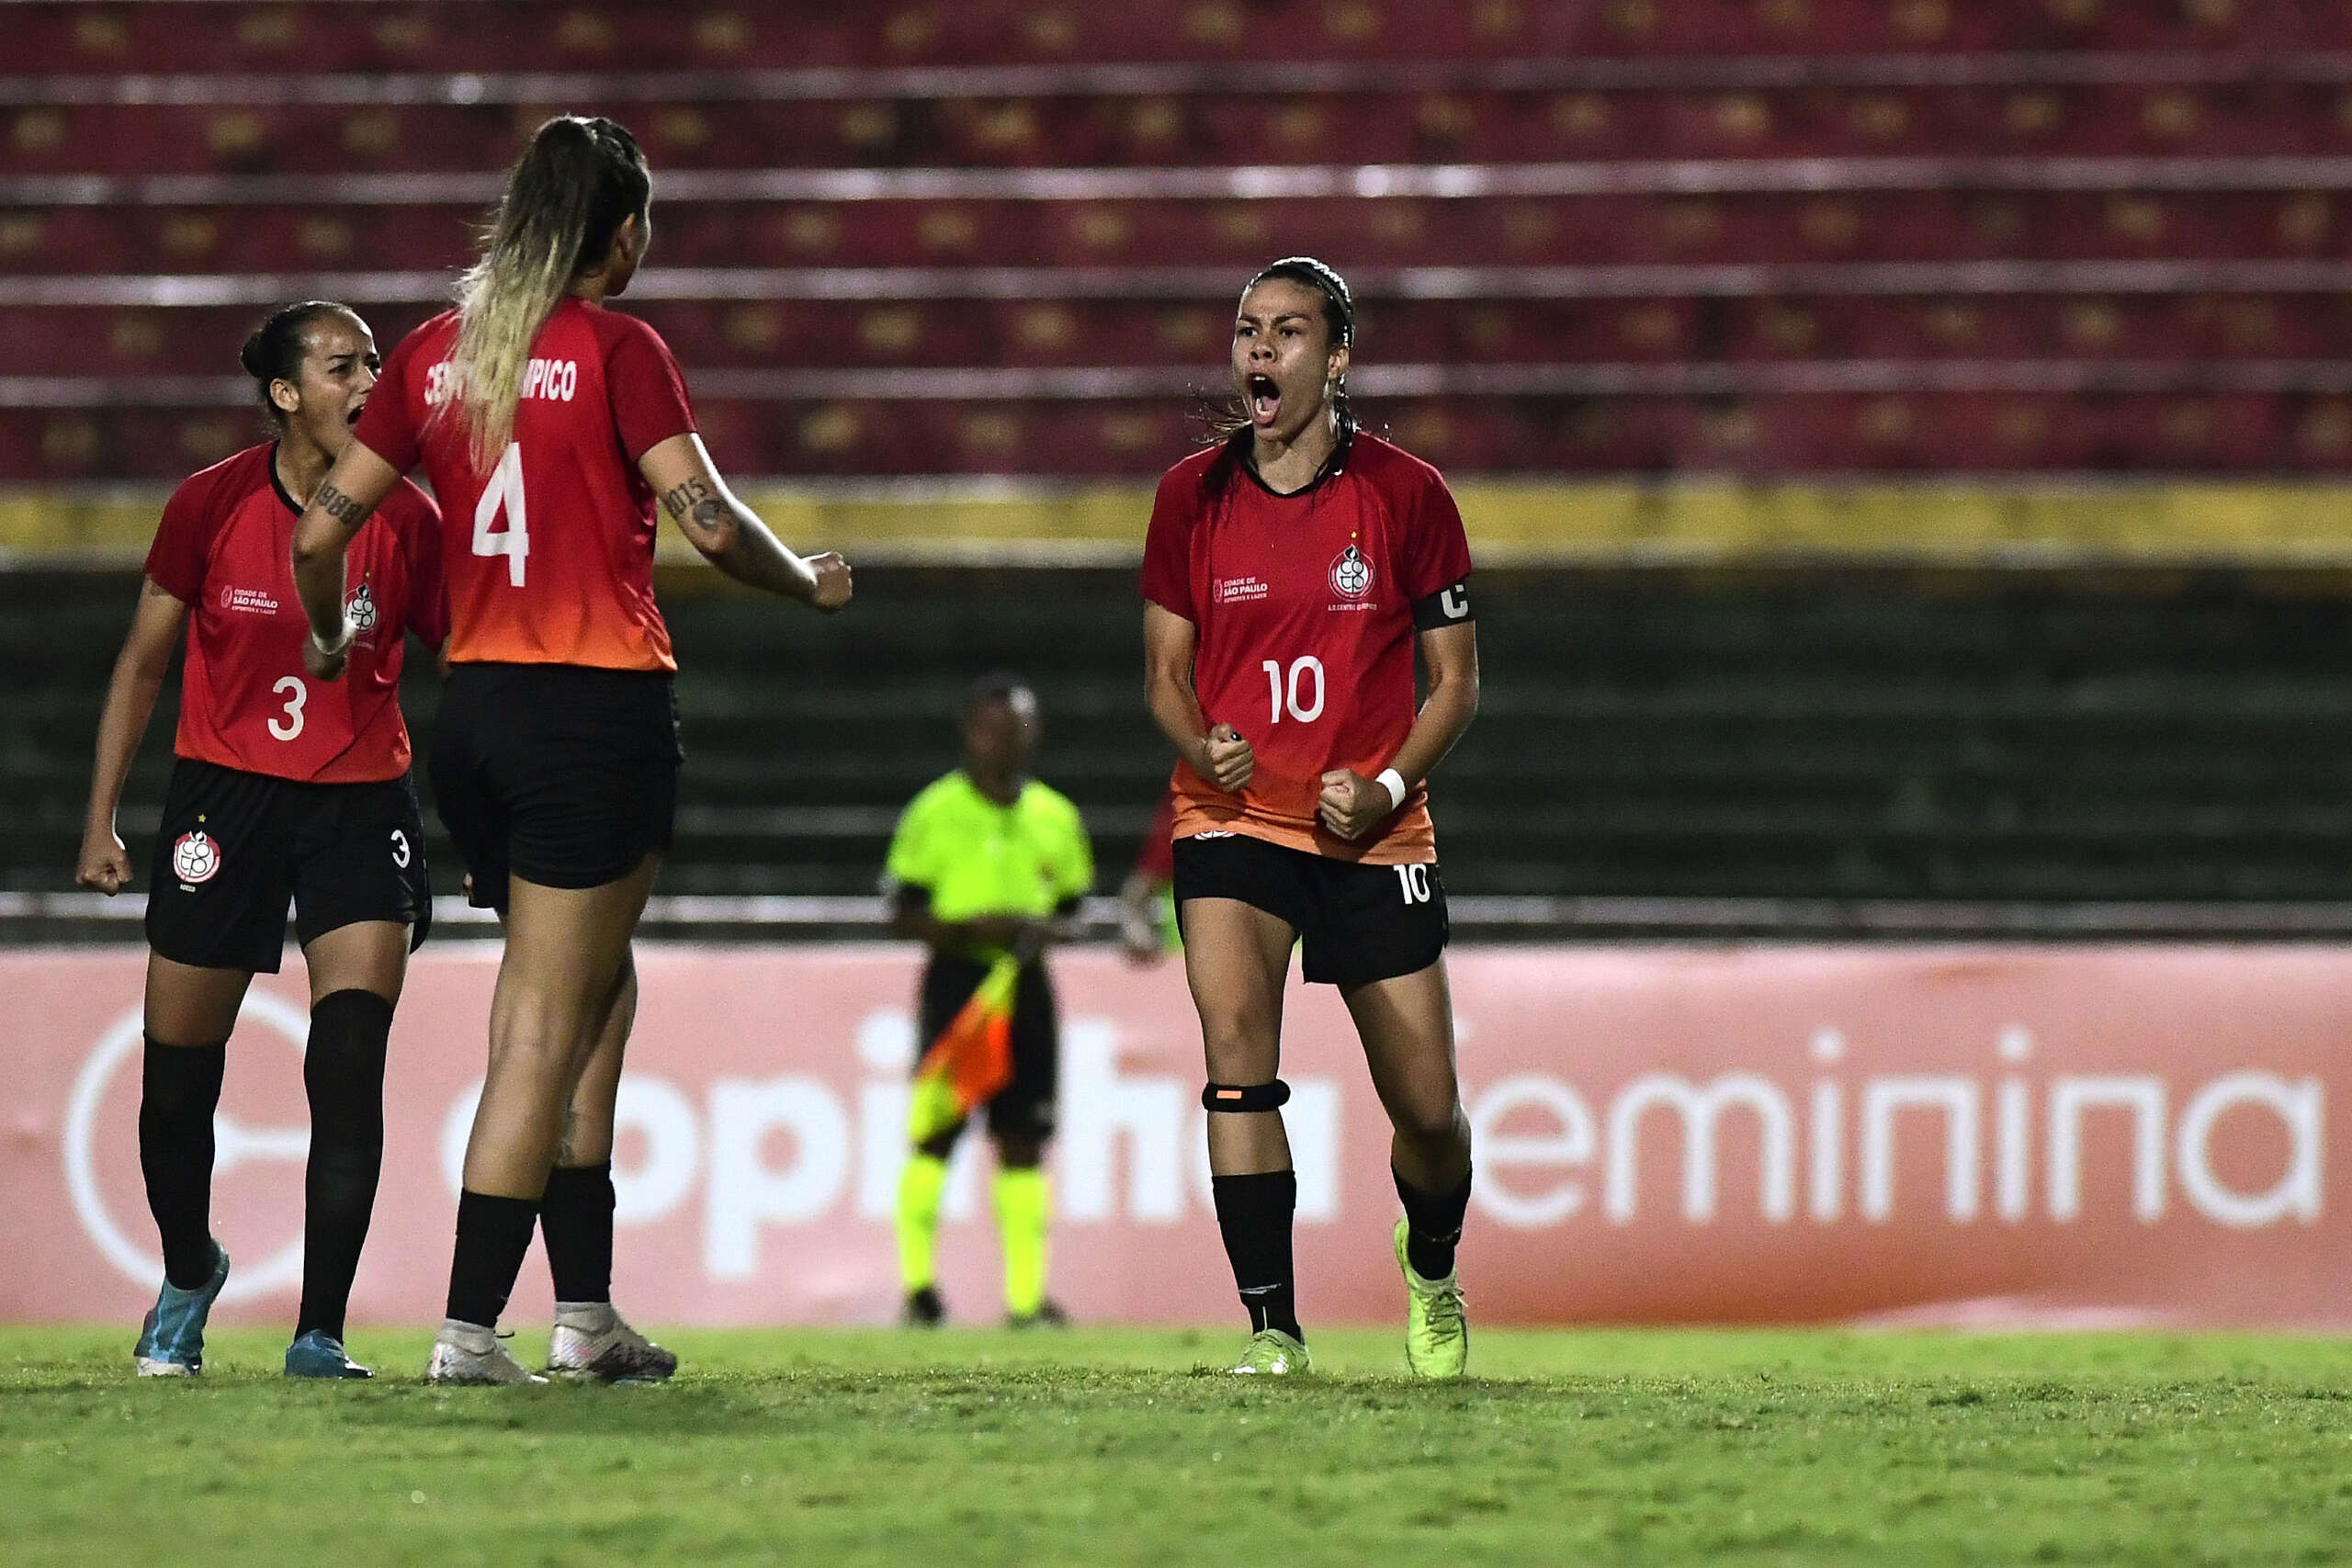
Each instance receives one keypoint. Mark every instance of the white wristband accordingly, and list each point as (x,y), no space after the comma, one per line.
(329,649)
(1393,783)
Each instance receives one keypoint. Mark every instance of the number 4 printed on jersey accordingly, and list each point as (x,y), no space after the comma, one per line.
(504,493)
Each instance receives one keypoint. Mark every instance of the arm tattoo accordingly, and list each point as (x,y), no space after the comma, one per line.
(698,509)
(689,498)
(339,506)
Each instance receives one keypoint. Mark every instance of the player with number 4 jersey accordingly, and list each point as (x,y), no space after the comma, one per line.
(549,425)
(600,388)
(1292,573)
(288,788)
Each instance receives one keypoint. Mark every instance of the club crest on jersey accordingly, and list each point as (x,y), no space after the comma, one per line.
(361,610)
(1351,574)
(195,857)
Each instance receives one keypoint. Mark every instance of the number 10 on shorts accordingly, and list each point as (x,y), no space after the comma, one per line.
(1415,881)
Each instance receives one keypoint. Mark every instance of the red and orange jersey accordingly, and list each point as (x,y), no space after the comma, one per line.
(225,549)
(1302,608)
(550,554)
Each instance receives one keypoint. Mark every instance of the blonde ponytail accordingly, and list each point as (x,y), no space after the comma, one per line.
(567,197)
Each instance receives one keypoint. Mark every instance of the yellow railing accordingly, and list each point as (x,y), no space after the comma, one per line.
(1693,521)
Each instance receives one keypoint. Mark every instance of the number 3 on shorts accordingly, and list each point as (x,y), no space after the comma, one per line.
(504,493)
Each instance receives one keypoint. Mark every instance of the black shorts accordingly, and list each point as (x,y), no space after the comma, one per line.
(1025,1106)
(561,775)
(236,847)
(1356,923)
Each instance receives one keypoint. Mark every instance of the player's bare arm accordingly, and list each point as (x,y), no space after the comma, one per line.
(1216,752)
(730,534)
(346,498)
(138,672)
(1353,805)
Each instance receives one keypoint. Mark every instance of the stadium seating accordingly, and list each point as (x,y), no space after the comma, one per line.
(1686,221)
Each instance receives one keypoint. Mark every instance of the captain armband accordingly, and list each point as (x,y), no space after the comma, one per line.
(1236,1097)
(1449,606)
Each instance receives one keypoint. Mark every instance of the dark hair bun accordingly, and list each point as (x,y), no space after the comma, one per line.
(274,352)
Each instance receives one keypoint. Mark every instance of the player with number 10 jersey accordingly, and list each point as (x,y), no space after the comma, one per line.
(1306,606)
(1292,574)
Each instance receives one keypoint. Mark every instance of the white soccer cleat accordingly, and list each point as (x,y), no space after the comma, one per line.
(592,1343)
(467,1355)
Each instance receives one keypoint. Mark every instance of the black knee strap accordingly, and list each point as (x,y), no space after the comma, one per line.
(1244,1097)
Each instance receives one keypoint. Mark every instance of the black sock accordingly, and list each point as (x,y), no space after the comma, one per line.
(493,1236)
(576,1221)
(343,1072)
(1432,1225)
(179,1092)
(1254,1213)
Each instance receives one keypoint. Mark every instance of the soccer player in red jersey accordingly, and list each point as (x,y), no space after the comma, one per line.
(286,788)
(1290,573)
(548,425)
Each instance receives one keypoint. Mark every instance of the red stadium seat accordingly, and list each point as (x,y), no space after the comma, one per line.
(1792,217)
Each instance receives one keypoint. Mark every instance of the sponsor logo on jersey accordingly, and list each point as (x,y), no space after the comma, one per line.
(248,601)
(196,858)
(1234,590)
(1351,574)
(361,609)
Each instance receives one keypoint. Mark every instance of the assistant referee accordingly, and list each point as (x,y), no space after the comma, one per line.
(988,861)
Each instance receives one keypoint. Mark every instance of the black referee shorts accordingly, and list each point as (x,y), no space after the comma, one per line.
(1025,1105)
(1356,923)
(562,775)
(236,848)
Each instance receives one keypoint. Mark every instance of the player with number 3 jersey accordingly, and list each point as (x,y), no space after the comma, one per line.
(549,425)
(1293,572)
(286,788)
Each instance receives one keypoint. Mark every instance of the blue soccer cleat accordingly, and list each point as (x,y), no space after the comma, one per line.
(319,1354)
(171,1340)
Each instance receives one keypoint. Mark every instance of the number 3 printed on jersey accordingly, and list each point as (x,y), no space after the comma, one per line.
(290,724)
(504,493)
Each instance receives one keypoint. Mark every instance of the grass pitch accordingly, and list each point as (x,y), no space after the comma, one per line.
(1118,1447)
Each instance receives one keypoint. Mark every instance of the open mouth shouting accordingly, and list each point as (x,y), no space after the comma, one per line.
(1265,402)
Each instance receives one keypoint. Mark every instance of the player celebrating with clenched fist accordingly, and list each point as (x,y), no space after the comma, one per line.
(550,425)
(1290,573)
(286,788)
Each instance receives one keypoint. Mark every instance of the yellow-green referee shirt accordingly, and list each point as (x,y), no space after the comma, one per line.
(979,858)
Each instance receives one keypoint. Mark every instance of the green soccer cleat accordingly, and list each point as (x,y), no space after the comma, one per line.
(1272,1353)
(1437,1331)
(171,1340)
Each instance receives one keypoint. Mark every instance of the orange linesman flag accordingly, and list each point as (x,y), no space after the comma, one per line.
(970,1061)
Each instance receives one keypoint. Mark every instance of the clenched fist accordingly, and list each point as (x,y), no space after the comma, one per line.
(1231,760)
